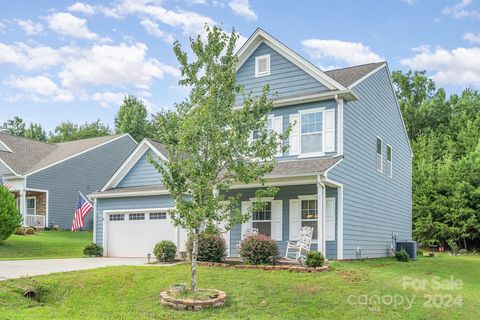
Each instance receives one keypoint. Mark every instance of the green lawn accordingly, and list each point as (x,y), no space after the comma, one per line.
(133,292)
(45,244)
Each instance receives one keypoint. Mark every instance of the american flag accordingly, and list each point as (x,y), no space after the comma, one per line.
(83,208)
(5,183)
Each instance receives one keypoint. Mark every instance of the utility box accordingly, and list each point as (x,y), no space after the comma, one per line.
(410,247)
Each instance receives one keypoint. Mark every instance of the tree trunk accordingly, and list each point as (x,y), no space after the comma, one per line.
(194,260)
(465,243)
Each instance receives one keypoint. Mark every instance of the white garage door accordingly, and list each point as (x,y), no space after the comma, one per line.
(135,234)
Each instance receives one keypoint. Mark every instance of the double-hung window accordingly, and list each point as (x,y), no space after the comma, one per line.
(31,206)
(310,216)
(258,133)
(262,219)
(379,155)
(311,132)
(389,161)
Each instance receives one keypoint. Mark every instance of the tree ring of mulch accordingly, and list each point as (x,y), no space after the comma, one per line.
(218,300)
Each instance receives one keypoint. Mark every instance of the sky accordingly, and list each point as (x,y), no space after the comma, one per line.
(75,61)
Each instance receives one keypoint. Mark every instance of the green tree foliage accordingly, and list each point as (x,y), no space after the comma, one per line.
(15,127)
(132,118)
(208,140)
(68,131)
(36,132)
(10,218)
(445,136)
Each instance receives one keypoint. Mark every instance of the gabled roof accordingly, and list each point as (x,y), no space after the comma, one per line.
(29,156)
(350,75)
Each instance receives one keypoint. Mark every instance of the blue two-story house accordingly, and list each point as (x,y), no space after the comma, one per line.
(346,173)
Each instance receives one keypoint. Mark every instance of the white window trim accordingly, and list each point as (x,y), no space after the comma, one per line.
(390,174)
(311,154)
(269,199)
(377,154)
(34,202)
(266,73)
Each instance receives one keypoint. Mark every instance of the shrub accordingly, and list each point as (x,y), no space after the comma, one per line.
(314,259)
(211,247)
(453,246)
(258,249)
(29,230)
(20,231)
(463,252)
(165,250)
(10,218)
(402,255)
(93,250)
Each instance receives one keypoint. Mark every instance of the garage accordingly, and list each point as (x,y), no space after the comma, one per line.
(135,233)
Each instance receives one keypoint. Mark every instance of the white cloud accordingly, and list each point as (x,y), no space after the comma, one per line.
(350,53)
(67,24)
(30,27)
(122,65)
(153,29)
(197,1)
(461,10)
(410,2)
(28,57)
(108,98)
(81,7)
(40,87)
(242,8)
(472,37)
(459,66)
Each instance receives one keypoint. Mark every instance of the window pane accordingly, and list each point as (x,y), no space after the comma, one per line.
(312,122)
(263,228)
(314,225)
(30,203)
(312,143)
(379,146)
(389,153)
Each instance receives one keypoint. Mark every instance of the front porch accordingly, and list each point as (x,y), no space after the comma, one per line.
(33,205)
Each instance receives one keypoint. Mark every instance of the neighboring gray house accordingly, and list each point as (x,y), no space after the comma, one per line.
(347,172)
(46,178)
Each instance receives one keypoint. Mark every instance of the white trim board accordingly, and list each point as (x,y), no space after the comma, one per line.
(80,153)
(5,147)
(367,75)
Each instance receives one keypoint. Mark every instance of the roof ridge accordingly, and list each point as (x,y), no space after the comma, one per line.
(28,139)
(356,66)
(91,138)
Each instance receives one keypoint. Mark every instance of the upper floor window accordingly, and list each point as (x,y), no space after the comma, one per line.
(262,65)
(379,155)
(258,133)
(389,161)
(311,132)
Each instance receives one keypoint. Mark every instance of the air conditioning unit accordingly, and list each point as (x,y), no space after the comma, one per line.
(409,246)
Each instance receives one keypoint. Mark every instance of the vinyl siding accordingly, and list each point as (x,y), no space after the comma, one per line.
(86,173)
(4,170)
(285,79)
(285,194)
(375,206)
(147,202)
(143,173)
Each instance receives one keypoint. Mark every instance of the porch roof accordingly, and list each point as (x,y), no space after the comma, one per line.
(303,167)
(129,190)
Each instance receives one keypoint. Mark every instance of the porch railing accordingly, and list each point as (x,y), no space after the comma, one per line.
(35,221)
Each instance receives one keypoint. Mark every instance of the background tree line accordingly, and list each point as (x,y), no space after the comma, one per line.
(444,133)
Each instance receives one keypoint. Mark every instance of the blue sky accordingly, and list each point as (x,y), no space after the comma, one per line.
(68,60)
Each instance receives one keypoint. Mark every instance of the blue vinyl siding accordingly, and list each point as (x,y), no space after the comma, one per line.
(143,173)
(86,173)
(285,79)
(285,194)
(375,206)
(147,202)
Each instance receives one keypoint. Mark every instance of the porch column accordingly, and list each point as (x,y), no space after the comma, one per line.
(23,206)
(321,216)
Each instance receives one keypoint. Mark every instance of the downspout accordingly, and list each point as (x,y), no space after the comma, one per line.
(321,204)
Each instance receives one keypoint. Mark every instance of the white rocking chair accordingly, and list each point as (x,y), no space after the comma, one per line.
(302,246)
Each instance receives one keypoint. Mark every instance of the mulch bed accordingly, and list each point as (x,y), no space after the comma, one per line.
(293,268)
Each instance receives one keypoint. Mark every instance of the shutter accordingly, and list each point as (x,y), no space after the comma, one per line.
(329,132)
(278,128)
(330,219)
(248,224)
(294,139)
(277,213)
(295,219)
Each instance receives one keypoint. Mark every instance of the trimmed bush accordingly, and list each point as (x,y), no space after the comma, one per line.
(402,255)
(453,246)
(258,249)
(93,250)
(10,218)
(211,247)
(463,252)
(314,259)
(29,230)
(165,250)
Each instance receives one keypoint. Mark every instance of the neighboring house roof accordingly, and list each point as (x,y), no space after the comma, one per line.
(29,156)
(348,76)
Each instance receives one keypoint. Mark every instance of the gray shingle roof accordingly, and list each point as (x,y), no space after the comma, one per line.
(158,146)
(348,76)
(29,155)
(303,167)
(119,191)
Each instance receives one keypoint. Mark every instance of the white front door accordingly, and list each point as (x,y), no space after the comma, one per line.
(134,234)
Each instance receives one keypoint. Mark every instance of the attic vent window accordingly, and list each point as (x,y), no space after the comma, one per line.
(262,65)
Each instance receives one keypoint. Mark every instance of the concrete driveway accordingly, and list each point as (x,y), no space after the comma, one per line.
(12,269)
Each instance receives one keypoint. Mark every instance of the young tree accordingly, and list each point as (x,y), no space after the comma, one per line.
(10,217)
(68,131)
(208,139)
(36,132)
(15,127)
(132,118)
